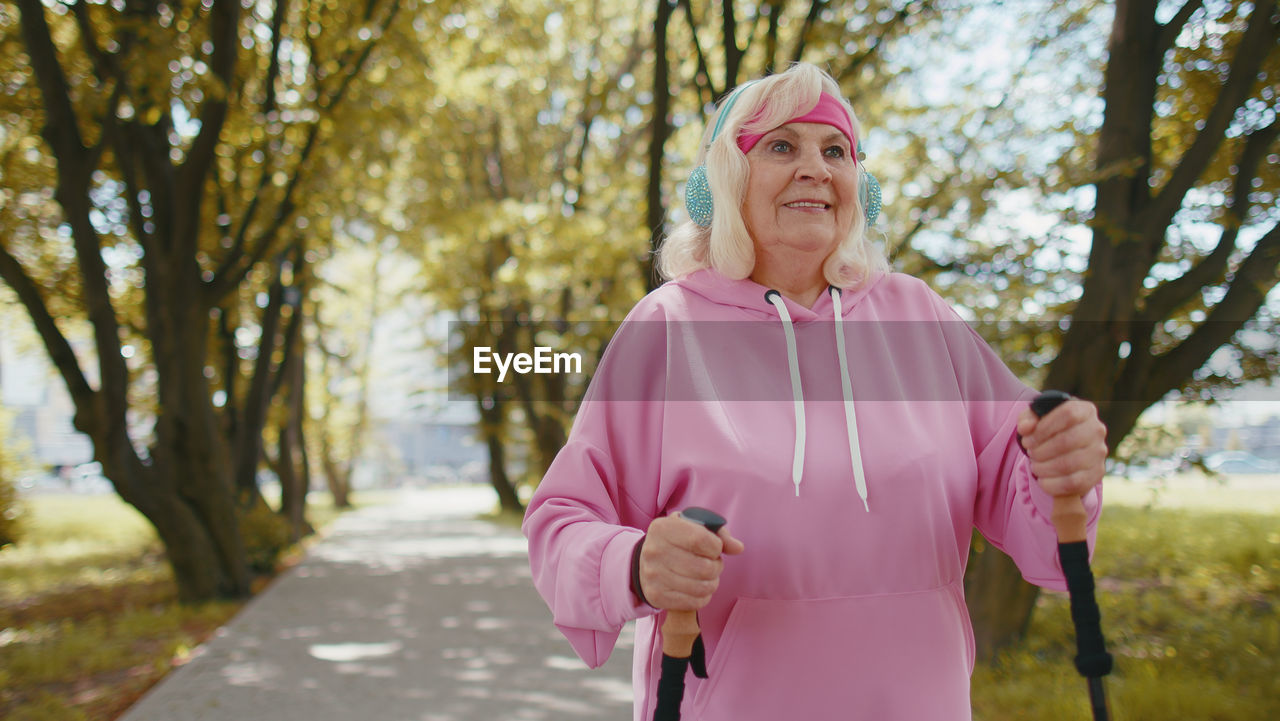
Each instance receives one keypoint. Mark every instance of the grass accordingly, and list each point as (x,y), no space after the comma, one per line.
(1189,589)
(78,541)
(89,612)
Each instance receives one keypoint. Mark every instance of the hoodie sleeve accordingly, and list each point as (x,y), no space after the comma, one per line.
(599,493)
(1011,509)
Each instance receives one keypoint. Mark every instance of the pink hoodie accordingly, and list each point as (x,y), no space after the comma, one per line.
(848,601)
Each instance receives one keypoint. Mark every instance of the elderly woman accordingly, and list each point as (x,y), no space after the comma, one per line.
(850,428)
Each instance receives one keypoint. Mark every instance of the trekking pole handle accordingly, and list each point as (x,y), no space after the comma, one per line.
(1069,517)
(1069,520)
(680,629)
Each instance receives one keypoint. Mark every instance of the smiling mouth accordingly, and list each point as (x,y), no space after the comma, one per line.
(807,204)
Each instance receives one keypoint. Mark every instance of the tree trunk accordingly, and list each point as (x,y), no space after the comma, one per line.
(660,130)
(1087,362)
(162,181)
(201,569)
(184,487)
(247,442)
(293,487)
(1122,304)
(338,481)
(337,476)
(337,471)
(190,456)
(187,492)
(1000,602)
(492,427)
(294,476)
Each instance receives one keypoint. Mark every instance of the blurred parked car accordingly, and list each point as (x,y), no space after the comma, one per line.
(1240,462)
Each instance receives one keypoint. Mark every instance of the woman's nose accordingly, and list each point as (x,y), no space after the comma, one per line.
(811,166)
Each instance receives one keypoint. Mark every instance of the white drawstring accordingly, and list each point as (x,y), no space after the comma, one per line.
(797,393)
(793,360)
(850,418)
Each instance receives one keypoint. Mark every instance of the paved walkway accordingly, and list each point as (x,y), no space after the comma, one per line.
(409,611)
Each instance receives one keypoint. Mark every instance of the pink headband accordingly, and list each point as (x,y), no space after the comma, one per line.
(828,111)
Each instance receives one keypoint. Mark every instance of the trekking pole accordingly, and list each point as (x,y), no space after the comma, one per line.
(681,639)
(1069,519)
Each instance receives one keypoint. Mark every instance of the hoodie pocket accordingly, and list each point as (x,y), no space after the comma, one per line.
(884,657)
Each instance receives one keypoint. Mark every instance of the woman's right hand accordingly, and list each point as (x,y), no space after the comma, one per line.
(680,563)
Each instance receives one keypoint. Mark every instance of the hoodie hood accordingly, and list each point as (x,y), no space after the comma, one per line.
(749,296)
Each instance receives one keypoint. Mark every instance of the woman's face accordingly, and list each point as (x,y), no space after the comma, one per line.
(800,192)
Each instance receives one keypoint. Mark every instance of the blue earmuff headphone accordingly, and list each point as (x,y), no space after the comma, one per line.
(697,192)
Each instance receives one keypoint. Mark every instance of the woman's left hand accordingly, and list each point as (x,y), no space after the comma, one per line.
(1067,448)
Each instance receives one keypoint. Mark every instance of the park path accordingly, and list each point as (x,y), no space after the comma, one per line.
(411,610)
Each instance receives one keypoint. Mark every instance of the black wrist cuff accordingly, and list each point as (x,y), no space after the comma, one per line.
(635,572)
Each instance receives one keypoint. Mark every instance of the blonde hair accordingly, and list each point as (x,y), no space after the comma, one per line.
(725,245)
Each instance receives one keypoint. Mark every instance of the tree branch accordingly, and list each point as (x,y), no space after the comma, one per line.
(904,242)
(128,172)
(1170,31)
(1254,46)
(797,52)
(268,156)
(1253,280)
(702,79)
(771,37)
(64,359)
(753,34)
(257,400)
(356,67)
(659,131)
(592,103)
(236,266)
(292,292)
(732,53)
(1168,296)
(75,164)
(237,251)
(885,29)
(224,22)
(61,131)
(586,117)
(226,335)
(273,67)
(105,66)
(930,207)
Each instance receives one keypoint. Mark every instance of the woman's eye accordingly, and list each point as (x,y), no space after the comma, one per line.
(835,151)
(780,146)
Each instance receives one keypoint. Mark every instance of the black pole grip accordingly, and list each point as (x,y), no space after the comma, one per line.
(1092,659)
(670,689)
(1047,401)
(710,520)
